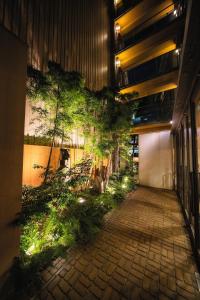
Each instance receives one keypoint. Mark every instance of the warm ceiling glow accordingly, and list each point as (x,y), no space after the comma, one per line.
(147,12)
(142,52)
(156,85)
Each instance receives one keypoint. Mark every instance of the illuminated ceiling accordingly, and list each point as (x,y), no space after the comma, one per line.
(156,85)
(147,128)
(152,47)
(141,13)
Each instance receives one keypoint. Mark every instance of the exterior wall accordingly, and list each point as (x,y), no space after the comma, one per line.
(155,160)
(73,33)
(13,59)
(38,155)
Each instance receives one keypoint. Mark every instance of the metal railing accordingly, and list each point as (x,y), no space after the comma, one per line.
(153,68)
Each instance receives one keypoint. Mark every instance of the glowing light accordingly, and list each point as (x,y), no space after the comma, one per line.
(117,62)
(171,122)
(81,200)
(30,250)
(125,179)
(175,12)
(177,51)
(116,2)
(117,28)
(111,190)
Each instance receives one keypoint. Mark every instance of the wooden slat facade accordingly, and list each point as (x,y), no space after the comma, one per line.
(74,33)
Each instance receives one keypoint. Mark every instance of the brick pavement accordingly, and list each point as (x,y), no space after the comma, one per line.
(143,252)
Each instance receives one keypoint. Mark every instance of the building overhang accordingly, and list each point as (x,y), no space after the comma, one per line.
(148,128)
(155,45)
(144,14)
(156,85)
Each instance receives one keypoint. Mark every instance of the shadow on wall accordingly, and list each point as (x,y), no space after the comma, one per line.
(38,155)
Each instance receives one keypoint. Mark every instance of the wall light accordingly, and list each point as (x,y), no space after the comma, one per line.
(177,51)
(117,62)
(117,28)
(171,122)
(81,200)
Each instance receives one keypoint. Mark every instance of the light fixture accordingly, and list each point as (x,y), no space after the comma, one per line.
(81,200)
(175,12)
(125,179)
(117,28)
(177,51)
(116,2)
(171,122)
(117,62)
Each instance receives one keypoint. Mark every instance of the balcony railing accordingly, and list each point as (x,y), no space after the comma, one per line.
(155,109)
(131,38)
(153,68)
(124,6)
(137,34)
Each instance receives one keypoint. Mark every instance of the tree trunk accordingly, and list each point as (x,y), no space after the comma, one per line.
(52,145)
(115,155)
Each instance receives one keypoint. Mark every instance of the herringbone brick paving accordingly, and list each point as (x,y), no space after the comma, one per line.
(143,252)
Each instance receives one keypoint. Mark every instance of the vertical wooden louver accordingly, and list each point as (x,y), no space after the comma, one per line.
(74,33)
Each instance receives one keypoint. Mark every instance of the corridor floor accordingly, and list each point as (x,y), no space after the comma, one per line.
(143,252)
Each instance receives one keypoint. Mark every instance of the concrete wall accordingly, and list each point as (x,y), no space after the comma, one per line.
(155,160)
(13,60)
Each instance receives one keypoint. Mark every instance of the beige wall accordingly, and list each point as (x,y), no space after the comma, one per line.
(38,155)
(155,160)
(74,33)
(13,60)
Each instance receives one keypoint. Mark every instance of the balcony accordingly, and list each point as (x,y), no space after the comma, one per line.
(123,6)
(155,109)
(137,35)
(156,67)
(163,41)
(148,11)
(154,113)
(153,86)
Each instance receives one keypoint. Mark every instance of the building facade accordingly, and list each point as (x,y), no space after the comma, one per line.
(157,55)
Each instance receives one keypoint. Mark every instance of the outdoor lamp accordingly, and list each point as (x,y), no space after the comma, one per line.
(117,28)
(116,2)
(117,62)
(177,51)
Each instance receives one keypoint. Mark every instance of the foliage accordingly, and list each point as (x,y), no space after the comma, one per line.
(61,102)
(55,217)
(58,214)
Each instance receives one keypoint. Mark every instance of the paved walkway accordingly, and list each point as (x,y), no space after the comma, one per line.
(142,253)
